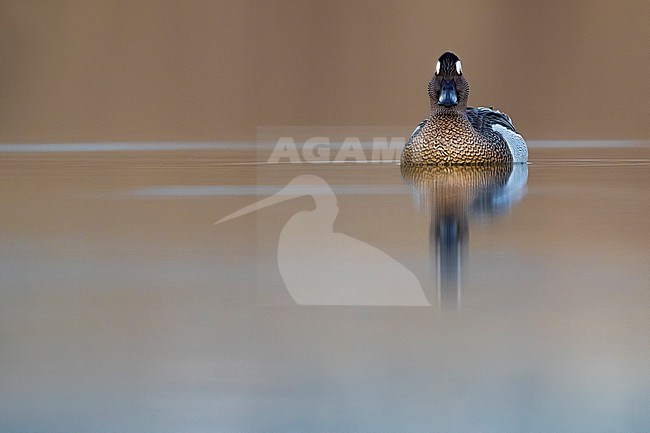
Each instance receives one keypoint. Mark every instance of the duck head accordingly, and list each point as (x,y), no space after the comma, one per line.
(448,89)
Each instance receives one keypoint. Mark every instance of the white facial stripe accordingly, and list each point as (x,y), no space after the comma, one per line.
(438,67)
(459,69)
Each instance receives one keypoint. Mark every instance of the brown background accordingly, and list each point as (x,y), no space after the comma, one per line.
(215,70)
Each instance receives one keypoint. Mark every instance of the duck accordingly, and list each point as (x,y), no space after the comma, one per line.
(455,134)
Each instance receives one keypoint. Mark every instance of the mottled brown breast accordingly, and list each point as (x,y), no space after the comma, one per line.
(451,140)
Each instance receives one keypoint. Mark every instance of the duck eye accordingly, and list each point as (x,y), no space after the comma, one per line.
(438,67)
(459,69)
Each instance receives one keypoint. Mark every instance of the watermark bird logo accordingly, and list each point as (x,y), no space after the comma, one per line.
(322,267)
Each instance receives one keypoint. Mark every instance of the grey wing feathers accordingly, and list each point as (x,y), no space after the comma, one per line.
(417,129)
(483,118)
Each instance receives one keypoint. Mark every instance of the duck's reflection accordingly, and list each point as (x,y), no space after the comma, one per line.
(452,196)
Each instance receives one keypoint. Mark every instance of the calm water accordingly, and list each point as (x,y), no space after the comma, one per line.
(366,299)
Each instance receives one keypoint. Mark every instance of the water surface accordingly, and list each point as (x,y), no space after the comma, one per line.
(123,307)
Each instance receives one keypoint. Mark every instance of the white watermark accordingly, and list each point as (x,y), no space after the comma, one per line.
(320,266)
(322,149)
(302,254)
(326,144)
